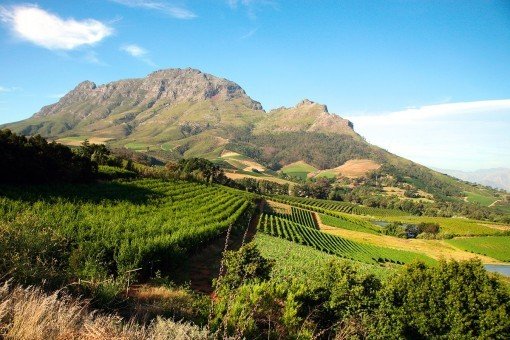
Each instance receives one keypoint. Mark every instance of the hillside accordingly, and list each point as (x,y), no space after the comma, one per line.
(176,113)
(496,178)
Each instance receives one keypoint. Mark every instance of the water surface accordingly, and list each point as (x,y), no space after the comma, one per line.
(503,269)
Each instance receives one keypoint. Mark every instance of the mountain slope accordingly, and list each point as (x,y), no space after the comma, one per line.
(496,178)
(178,113)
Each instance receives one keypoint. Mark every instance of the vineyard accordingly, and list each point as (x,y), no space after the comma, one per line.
(329,207)
(497,247)
(349,223)
(119,226)
(300,216)
(280,227)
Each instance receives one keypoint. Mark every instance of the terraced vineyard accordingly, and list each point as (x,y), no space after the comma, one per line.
(118,226)
(301,216)
(497,247)
(350,224)
(327,206)
(286,229)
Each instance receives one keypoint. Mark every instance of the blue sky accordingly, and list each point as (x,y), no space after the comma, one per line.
(428,80)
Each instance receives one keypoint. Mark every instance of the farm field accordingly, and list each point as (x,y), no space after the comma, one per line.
(497,247)
(454,226)
(290,258)
(78,140)
(350,223)
(436,249)
(276,226)
(119,226)
(298,169)
(484,200)
(333,207)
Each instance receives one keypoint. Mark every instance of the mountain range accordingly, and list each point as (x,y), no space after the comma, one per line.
(177,113)
(496,178)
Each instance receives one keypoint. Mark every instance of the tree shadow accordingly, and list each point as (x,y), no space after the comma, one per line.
(94,192)
(202,266)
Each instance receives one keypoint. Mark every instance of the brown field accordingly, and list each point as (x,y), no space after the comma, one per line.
(76,142)
(355,168)
(234,175)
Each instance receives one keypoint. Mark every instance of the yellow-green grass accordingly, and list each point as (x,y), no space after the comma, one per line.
(139,146)
(453,225)
(298,169)
(349,222)
(484,200)
(326,174)
(497,247)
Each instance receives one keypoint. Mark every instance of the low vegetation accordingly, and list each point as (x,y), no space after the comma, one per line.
(497,247)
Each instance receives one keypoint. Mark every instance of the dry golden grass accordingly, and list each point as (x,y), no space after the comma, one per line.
(357,167)
(234,175)
(437,249)
(78,142)
(30,314)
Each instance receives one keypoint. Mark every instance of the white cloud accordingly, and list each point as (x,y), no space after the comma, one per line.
(161,6)
(4,89)
(250,33)
(251,6)
(464,136)
(439,111)
(138,52)
(48,30)
(134,50)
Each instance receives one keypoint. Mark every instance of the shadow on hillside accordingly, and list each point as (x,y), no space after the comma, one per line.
(200,268)
(94,192)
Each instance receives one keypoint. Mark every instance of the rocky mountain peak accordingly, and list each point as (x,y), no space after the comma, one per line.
(308,102)
(163,88)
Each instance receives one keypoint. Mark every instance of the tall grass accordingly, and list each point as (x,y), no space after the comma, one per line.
(29,313)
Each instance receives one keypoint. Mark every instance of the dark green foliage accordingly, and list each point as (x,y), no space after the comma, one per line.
(454,301)
(323,151)
(241,267)
(114,227)
(34,160)
(199,169)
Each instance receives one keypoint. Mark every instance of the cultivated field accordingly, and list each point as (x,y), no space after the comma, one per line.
(497,247)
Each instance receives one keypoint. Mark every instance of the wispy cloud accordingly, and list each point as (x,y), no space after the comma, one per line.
(252,6)
(138,52)
(434,112)
(250,33)
(45,29)
(463,135)
(174,11)
(5,89)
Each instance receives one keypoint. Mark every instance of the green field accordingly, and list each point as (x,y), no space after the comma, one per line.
(291,258)
(484,200)
(497,247)
(335,207)
(350,223)
(298,169)
(280,227)
(137,146)
(450,225)
(119,226)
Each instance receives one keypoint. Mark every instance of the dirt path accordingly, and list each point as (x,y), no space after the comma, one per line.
(200,268)
(493,203)
(436,249)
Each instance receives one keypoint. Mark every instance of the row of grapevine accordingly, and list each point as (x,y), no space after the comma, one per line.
(283,228)
(147,223)
(342,207)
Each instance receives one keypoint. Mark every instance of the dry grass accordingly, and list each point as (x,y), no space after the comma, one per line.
(437,249)
(356,168)
(29,313)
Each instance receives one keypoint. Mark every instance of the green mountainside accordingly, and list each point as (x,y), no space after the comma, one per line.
(176,113)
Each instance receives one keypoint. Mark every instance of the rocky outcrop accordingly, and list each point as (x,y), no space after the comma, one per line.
(167,87)
(306,116)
